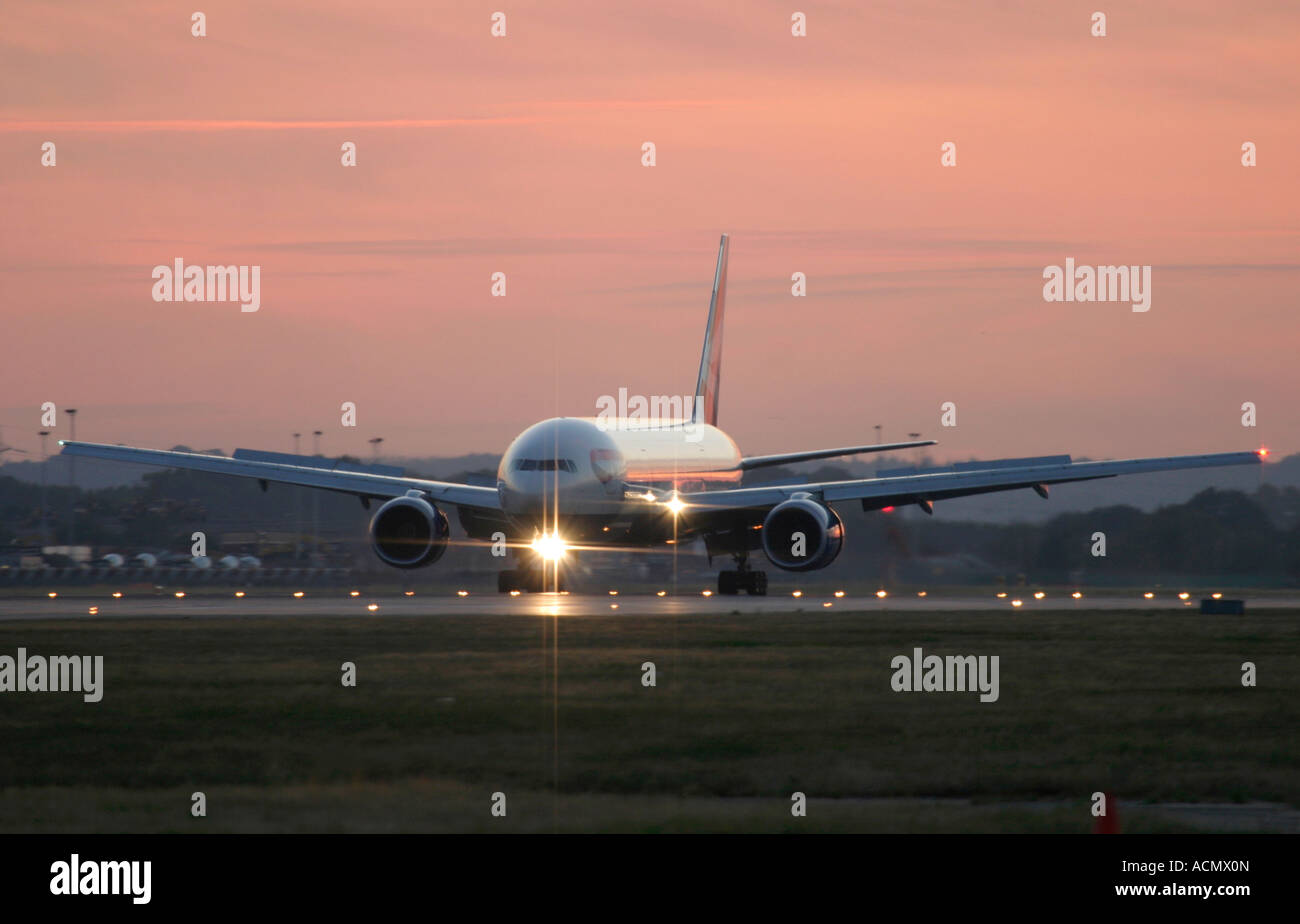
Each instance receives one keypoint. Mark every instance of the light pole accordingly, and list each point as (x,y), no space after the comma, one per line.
(45,535)
(315,499)
(72,482)
(374,447)
(297,510)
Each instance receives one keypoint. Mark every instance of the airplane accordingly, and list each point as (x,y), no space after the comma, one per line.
(575,484)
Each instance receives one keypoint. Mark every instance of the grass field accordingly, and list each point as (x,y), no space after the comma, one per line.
(747,709)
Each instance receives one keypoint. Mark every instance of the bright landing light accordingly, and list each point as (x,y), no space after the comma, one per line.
(675,504)
(550,546)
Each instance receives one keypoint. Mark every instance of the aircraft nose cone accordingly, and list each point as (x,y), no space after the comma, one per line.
(552,464)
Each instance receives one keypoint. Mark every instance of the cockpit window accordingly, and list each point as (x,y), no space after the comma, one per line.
(545,465)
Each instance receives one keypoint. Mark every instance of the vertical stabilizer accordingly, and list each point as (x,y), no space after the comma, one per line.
(706,386)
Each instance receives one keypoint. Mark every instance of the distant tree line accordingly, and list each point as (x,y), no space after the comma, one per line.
(1253,537)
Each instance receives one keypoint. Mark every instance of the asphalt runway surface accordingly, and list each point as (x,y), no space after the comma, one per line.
(283,603)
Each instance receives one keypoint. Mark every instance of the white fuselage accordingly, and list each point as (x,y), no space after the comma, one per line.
(569,469)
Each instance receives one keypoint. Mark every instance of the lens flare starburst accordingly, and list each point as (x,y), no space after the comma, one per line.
(550,546)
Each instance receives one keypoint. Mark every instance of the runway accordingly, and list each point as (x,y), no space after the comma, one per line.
(325,603)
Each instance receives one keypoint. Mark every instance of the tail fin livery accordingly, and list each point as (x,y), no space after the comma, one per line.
(706,386)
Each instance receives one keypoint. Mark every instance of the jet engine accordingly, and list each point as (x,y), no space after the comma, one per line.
(409,532)
(802,534)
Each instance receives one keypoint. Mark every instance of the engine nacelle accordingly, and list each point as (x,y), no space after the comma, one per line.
(409,532)
(802,525)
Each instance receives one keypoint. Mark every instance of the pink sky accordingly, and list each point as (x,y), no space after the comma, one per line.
(522,155)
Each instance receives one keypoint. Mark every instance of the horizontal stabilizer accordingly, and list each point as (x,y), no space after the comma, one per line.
(789,458)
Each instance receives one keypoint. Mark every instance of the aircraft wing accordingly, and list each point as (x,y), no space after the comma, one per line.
(960,480)
(362,484)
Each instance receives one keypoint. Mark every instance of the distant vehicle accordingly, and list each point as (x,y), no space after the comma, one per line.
(571,483)
(67,554)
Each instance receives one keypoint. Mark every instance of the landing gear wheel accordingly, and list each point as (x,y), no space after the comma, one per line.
(756,583)
(728,583)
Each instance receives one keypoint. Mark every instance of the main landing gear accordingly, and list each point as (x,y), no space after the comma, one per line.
(743,578)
